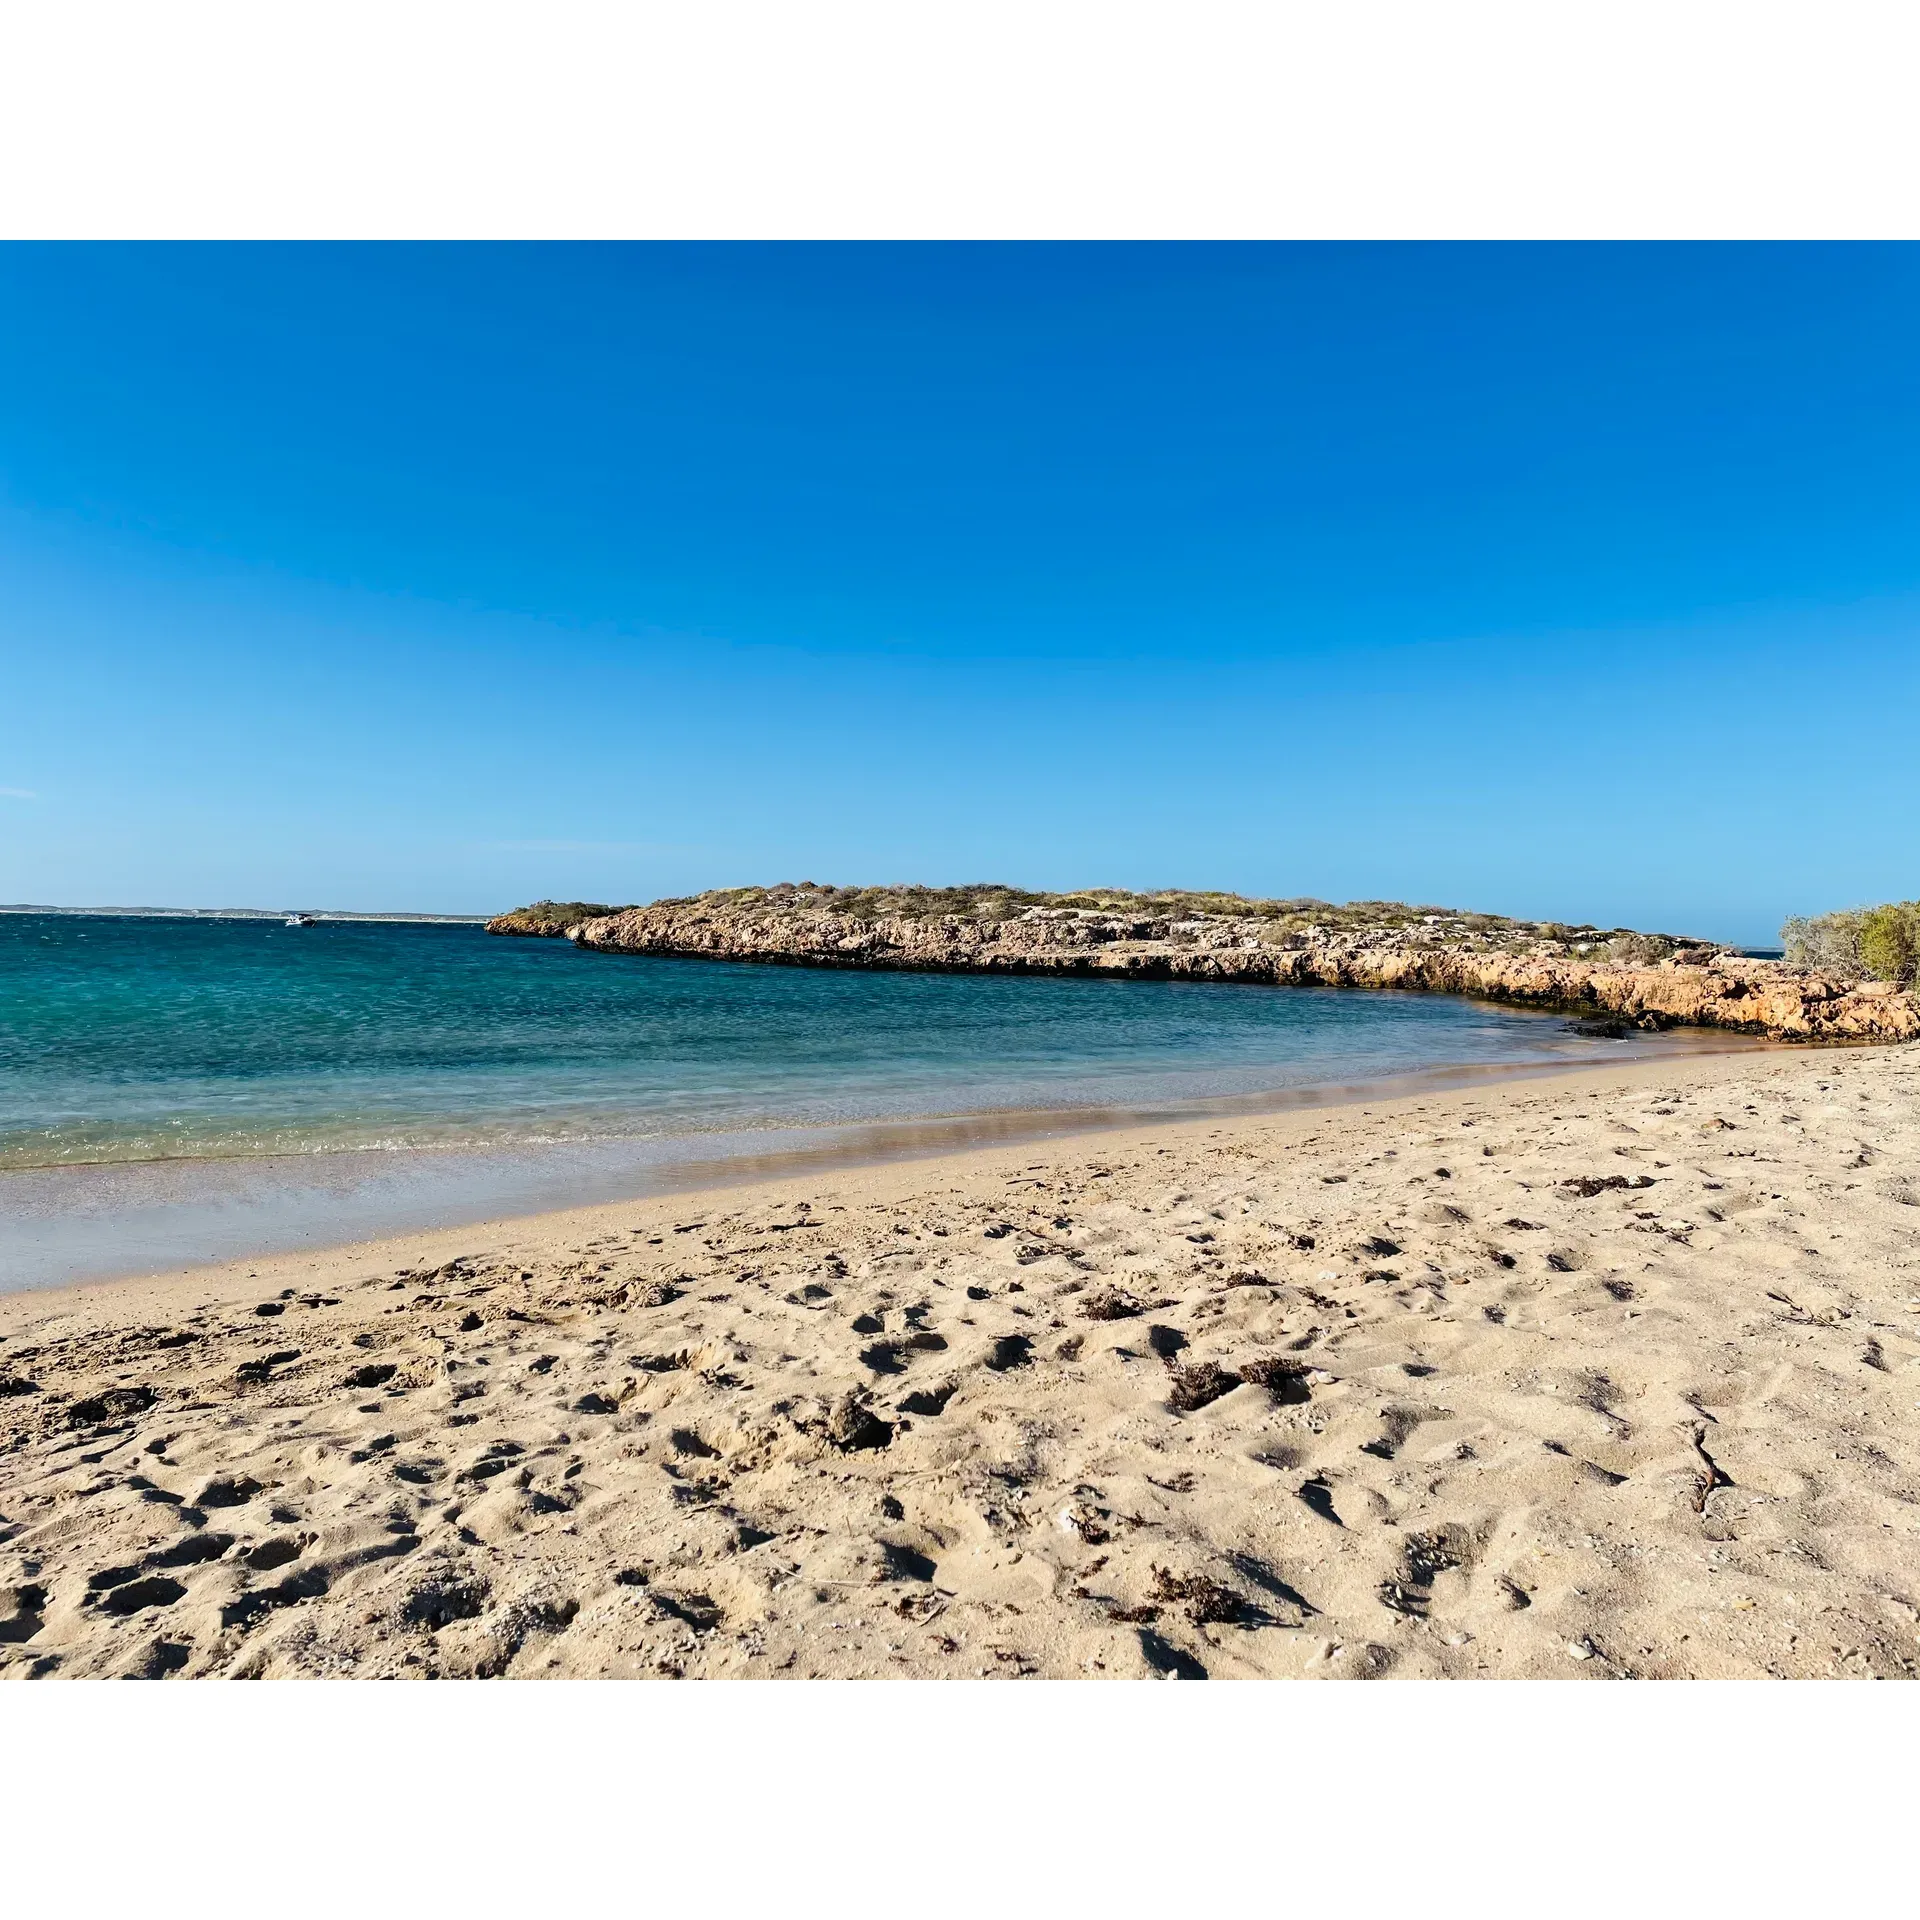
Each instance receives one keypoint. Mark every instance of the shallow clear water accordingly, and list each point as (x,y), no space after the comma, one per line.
(136,1039)
(174,1091)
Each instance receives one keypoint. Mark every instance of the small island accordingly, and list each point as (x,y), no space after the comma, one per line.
(1607,975)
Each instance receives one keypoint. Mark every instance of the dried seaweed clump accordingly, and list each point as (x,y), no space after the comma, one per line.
(1284,1378)
(1198,1385)
(1208,1603)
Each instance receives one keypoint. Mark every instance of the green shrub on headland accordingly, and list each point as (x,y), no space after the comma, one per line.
(1875,943)
(1888,937)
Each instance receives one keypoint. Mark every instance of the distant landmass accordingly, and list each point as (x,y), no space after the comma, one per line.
(242,913)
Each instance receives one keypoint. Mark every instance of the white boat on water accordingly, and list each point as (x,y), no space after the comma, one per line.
(299,919)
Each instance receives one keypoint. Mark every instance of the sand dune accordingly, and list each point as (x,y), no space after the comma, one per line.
(1605,1376)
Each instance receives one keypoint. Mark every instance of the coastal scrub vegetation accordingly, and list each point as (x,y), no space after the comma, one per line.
(1304,914)
(1870,943)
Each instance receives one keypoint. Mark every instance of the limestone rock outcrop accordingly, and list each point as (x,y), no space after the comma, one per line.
(547,919)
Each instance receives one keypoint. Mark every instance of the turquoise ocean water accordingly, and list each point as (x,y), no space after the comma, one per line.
(180,1070)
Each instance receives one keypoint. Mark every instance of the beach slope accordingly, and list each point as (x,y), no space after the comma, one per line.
(1602,1376)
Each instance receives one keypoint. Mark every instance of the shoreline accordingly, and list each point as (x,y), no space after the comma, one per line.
(208,1198)
(810,1169)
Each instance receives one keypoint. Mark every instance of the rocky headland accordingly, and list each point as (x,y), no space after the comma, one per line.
(1616,975)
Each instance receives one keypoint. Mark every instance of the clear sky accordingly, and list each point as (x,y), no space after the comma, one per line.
(1579,582)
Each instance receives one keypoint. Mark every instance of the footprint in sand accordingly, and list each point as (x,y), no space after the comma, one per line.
(135,1595)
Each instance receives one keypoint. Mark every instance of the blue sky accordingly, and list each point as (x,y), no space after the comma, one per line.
(1567,581)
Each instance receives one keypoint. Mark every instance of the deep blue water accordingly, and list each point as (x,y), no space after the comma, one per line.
(144,1039)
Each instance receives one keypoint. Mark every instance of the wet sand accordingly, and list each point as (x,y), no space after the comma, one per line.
(65,1225)
(1603,1375)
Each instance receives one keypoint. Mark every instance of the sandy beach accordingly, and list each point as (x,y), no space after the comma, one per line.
(1611,1375)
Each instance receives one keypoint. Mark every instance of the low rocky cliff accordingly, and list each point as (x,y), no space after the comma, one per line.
(1647,980)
